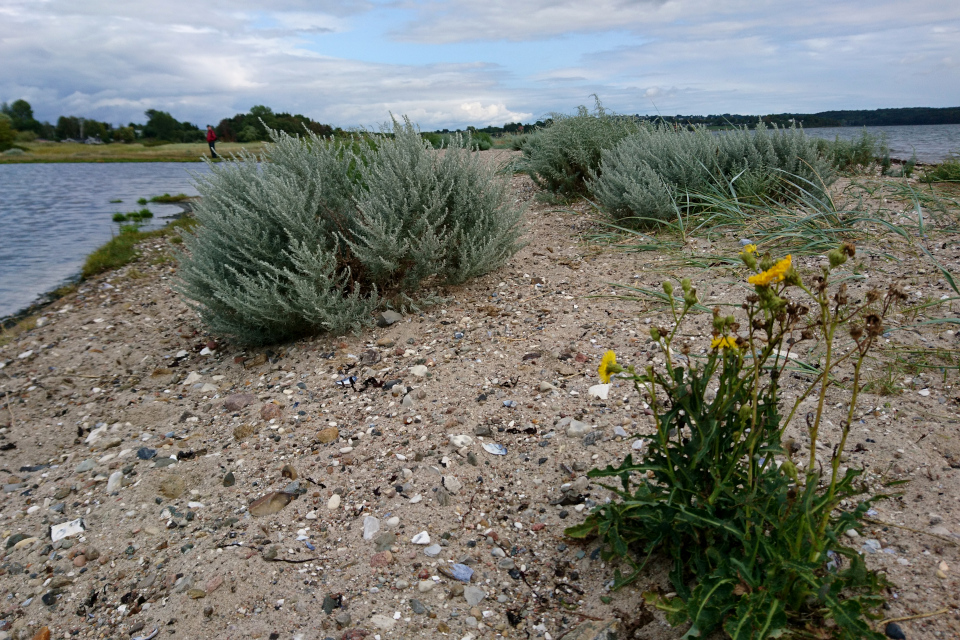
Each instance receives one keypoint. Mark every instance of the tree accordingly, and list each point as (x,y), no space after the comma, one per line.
(21,116)
(68,127)
(6,132)
(124,134)
(162,126)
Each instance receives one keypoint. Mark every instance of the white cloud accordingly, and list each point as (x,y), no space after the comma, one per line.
(112,60)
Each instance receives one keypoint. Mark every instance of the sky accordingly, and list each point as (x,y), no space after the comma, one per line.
(453,63)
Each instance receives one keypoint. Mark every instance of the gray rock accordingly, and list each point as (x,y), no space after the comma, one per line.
(592,438)
(85,466)
(417,606)
(384,541)
(482,430)
(452,484)
(433,550)
(577,429)
(473,595)
(506,564)
(343,619)
(388,318)
(371,526)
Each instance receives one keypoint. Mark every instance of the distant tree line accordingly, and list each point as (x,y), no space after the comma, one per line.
(862,118)
(17,124)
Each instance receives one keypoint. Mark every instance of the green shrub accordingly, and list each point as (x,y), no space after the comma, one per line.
(168,199)
(248,134)
(649,174)
(753,527)
(119,217)
(948,171)
(562,156)
(857,154)
(314,236)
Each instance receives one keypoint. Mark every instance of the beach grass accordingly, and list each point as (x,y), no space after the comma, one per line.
(121,249)
(117,152)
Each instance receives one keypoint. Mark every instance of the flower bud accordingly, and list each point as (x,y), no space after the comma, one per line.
(667,288)
(655,333)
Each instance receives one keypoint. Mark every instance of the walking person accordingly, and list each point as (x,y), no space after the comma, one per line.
(212,141)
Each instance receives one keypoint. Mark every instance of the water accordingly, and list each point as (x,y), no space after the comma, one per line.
(53,215)
(932,142)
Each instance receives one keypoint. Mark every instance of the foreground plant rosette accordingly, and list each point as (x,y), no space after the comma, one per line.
(753,527)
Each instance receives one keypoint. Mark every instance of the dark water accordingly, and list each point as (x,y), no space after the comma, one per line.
(931,142)
(53,215)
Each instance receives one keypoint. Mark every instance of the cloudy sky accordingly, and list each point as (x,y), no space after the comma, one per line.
(450,63)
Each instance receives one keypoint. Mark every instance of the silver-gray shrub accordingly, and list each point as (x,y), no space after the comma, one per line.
(312,234)
(649,175)
(561,157)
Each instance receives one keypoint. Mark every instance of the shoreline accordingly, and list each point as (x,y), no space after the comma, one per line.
(71,283)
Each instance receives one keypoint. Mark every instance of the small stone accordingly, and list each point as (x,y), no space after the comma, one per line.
(578,429)
(388,318)
(482,430)
(289,471)
(42,634)
(594,630)
(417,606)
(433,550)
(229,480)
(382,559)
(592,438)
(173,486)
(328,435)
(333,502)
(473,595)
(213,584)
(238,401)
(425,585)
(421,538)
(371,526)
(115,482)
(271,411)
(330,603)
(80,561)
(419,370)
(385,343)
(382,622)
(392,522)
(851,533)
(452,484)
(146,453)
(460,441)
(343,619)
(546,386)
(506,564)
(196,594)
(893,630)
(385,541)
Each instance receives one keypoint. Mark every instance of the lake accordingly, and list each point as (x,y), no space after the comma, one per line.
(54,215)
(932,142)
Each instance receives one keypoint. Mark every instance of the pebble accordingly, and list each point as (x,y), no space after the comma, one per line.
(460,441)
(328,435)
(893,630)
(371,526)
(421,538)
(433,550)
(461,572)
(452,484)
(419,370)
(392,522)
(382,622)
(382,559)
(85,466)
(577,429)
(473,595)
(229,480)
(425,585)
(417,606)
(333,502)
(115,482)
(146,453)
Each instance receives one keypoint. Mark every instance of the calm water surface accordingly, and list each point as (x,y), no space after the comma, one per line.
(53,215)
(931,142)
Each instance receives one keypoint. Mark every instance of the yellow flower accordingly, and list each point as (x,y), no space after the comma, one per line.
(608,366)
(750,248)
(776,273)
(724,342)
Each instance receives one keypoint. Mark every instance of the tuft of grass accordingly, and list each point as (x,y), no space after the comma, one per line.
(167,198)
(122,248)
(116,201)
(7,334)
(948,171)
(141,201)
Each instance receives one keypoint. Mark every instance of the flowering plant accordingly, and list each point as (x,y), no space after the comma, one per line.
(753,531)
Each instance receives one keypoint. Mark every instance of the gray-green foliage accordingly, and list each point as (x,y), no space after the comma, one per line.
(652,172)
(562,156)
(310,238)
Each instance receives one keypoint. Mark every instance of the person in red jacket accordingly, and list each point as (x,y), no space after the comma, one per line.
(211,140)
